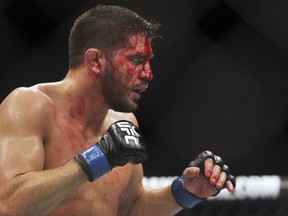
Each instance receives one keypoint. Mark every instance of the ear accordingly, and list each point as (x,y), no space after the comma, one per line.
(94,60)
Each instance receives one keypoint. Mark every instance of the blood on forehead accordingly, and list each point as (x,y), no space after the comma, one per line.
(141,44)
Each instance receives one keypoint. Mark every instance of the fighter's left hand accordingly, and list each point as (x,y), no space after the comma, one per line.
(207,176)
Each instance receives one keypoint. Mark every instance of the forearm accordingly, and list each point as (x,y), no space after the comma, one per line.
(37,193)
(155,202)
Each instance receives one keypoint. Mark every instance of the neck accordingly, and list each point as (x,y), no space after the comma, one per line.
(83,100)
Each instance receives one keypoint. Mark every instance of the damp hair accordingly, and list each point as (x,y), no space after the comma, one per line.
(107,28)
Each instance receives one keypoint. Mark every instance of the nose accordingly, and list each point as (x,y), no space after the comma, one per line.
(146,72)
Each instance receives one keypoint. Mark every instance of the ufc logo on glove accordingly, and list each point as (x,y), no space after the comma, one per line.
(131,137)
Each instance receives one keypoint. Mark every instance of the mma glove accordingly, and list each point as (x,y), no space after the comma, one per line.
(122,143)
(186,199)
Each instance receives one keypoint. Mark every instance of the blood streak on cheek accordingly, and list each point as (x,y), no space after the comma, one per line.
(126,72)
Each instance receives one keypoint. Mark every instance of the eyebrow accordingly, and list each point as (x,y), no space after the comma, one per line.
(141,55)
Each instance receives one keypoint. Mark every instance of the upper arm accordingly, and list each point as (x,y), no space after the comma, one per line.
(21,134)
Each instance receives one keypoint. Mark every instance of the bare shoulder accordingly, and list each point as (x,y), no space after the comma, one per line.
(26,98)
(25,106)
(116,116)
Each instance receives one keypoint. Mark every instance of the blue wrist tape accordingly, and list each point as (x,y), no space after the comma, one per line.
(183,197)
(96,162)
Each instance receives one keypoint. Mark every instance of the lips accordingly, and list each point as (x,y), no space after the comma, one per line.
(140,88)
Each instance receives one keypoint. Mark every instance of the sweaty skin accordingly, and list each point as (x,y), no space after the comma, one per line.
(44,126)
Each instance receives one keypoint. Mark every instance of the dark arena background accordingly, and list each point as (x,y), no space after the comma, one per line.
(220,83)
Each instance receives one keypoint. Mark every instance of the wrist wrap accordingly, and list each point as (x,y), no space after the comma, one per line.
(183,197)
(93,162)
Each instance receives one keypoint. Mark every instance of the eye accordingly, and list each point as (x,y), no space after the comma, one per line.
(137,60)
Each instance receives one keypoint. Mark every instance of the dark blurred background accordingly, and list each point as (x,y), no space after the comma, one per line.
(220,75)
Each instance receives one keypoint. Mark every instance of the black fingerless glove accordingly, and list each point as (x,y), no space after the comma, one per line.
(122,143)
(186,199)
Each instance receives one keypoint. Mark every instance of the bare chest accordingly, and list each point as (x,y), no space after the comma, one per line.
(105,194)
(66,138)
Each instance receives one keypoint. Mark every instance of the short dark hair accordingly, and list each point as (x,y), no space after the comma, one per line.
(107,28)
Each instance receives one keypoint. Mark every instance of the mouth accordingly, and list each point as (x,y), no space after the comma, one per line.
(140,88)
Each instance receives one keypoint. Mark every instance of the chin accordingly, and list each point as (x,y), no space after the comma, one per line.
(125,108)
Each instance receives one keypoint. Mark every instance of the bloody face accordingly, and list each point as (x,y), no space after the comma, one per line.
(127,74)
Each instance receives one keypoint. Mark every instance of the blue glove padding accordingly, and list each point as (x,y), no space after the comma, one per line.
(94,162)
(183,197)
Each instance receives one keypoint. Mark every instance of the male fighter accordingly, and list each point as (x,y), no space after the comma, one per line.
(73,147)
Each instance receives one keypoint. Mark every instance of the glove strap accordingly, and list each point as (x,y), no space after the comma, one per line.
(183,197)
(93,162)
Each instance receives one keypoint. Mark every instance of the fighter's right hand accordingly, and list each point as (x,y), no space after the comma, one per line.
(122,143)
